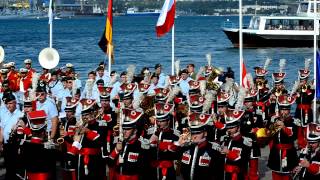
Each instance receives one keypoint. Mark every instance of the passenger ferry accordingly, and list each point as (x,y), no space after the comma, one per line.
(149,12)
(277,31)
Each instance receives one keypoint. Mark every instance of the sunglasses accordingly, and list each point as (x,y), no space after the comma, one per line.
(41,94)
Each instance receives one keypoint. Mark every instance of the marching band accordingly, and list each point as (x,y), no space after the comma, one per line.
(193,125)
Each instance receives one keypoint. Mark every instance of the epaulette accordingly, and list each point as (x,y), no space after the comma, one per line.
(215,146)
(145,143)
(176,132)
(297,121)
(247,141)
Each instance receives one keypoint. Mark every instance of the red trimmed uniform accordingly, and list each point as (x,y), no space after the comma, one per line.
(129,164)
(201,162)
(304,113)
(236,161)
(92,165)
(313,171)
(283,155)
(163,154)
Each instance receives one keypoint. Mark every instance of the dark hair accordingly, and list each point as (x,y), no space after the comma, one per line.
(92,72)
(192,65)
(154,75)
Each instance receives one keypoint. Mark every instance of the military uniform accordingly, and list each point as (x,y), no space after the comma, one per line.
(91,164)
(311,154)
(198,160)
(163,151)
(283,156)
(129,163)
(239,148)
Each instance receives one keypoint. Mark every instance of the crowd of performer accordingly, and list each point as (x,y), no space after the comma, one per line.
(127,126)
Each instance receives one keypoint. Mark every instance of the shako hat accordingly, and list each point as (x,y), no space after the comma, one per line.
(305,72)
(161,94)
(37,119)
(313,132)
(87,106)
(105,93)
(194,86)
(285,101)
(233,117)
(196,102)
(41,87)
(173,80)
(131,118)
(127,90)
(71,104)
(143,88)
(27,61)
(222,98)
(251,95)
(278,77)
(198,122)
(162,110)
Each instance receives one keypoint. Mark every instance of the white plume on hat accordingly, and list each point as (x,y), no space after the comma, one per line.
(282,64)
(294,87)
(228,84)
(209,58)
(137,101)
(267,63)
(32,92)
(240,100)
(200,72)
(209,97)
(203,87)
(177,66)
(130,72)
(175,91)
(307,63)
(113,79)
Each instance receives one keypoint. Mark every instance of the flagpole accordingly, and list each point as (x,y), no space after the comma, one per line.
(50,23)
(172,52)
(240,41)
(315,47)
(109,58)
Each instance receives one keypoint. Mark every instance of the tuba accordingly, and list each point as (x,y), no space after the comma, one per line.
(211,85)
(49,58)
(1,54)
(304,88)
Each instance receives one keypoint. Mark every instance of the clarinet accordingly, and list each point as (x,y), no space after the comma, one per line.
(303,169)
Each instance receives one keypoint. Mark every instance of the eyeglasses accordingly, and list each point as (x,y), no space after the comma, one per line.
(41,94)
(69,82)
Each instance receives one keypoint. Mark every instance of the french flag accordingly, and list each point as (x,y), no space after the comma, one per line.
(166,18)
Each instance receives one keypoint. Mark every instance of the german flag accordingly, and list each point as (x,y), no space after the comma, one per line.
(106,40)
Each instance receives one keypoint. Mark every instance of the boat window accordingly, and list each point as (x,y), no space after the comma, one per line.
(304,7)
(318,7)
(289,24)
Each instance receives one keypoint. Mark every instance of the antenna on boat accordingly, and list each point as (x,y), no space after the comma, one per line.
(255,10)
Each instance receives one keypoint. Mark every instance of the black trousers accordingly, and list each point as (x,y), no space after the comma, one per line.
(10,153)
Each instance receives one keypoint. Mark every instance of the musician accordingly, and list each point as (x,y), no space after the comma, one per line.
(67,131)
(283,156)
(161,75)
(39,156)
(28,66)
(309,166)
(261,83)
(55,86)
(128,157)
(101,75)
(184,82)
(3,76)
(90,90)
(69,69)
(199,160)
(45,75)
(278,89)
(235,147)
(24,84)
(13,77)
(304,102)
(230,86)
(163,149)
(5,88)
(46,104)
(250,123)
(153,84)
(9,117)
(88,141)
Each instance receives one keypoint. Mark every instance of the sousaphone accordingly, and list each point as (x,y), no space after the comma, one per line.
(1,54)
(49,58)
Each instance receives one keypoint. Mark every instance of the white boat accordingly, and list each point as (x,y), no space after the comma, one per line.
(149,12)
(277,31)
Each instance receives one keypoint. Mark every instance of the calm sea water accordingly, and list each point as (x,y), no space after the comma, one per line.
(136,43)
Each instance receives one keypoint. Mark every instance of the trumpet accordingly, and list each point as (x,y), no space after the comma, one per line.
(304,88)
(274,128)
(260,84)
(60,140)
(278,92)
(185,137)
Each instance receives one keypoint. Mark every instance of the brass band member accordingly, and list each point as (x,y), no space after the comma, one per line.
(309,166)
(283,155)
